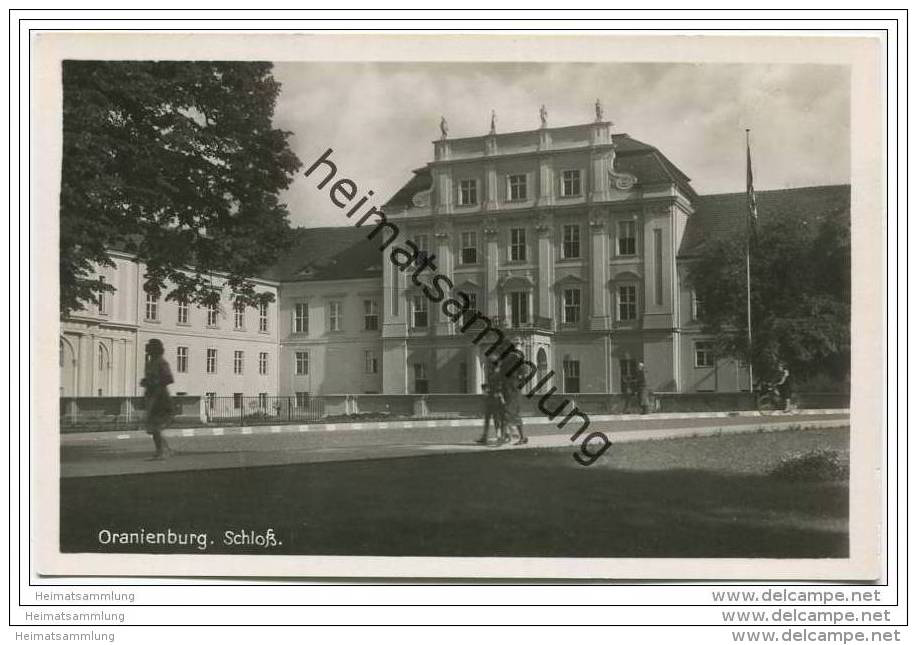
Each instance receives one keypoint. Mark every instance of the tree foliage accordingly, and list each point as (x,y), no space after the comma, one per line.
(177,163)
(800,294)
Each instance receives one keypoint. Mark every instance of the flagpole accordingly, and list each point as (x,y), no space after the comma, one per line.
(751,381)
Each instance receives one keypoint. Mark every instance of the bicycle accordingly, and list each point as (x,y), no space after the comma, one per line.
(768,399)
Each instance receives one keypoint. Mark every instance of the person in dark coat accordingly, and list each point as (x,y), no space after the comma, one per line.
(512,417)
(784,385)
(159,411)
(641,388)
(493,402)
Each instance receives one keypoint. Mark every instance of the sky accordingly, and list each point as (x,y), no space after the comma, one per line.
(381,118)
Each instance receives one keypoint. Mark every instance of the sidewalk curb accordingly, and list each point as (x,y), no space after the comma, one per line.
(657,434)
(793,419)
(187,462)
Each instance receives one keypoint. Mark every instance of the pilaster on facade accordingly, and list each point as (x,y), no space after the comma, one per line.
(544,139)
(544,229)
(599,319)
(442,240)
(491,197)
(545,181)
(491,230)
(598,178)
(443,189)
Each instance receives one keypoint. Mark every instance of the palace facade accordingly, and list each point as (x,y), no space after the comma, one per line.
(576,239)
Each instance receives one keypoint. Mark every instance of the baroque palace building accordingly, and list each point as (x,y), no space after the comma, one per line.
(576,239)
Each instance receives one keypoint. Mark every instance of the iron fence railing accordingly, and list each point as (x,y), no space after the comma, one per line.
(102,413)
(253,410)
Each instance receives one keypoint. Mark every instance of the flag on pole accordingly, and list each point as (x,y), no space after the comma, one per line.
(750,192)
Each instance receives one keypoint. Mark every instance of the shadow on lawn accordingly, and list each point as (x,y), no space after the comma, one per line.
(523,503)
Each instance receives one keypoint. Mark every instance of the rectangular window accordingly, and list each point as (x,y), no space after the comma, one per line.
(238,315)
(518,187)
(335,315)
(370,362)
(422,242)
(302,363)
(571,376)
(370,315)
(262,362)
(102,304)
(301,318)
(469,313)
(262,316)
(211,399)
(212,315)
(211,361)
(419,310)
(238,361)
(628,373)
(657,264)
(151,312)
(468,192)
(237,400)
(421,385)
(181,359)
(697,307)
(519,308)
(627,238)
(570,246)
(572,306)
(570,183)
(302,399)
(183,311)
(703,353)
(517,245)
(627,302)
(469,248)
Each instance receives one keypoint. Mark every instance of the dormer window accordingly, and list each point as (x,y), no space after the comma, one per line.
(468,192)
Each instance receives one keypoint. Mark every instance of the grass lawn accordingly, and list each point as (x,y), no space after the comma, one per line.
(698,497)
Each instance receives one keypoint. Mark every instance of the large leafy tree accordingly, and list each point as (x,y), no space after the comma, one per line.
(177,163)
(800,287)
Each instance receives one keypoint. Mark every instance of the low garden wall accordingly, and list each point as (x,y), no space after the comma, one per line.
(115,413)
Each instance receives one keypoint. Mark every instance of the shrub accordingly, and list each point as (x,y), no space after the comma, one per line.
(813,465)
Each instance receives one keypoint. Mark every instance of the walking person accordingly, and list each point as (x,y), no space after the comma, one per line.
(512,417)
(493,402)
(631,395)
(785,386)
(159,411)
(641,388)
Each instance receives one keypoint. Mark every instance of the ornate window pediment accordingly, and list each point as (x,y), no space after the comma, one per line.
(626,274)
(571,279)
(517,282)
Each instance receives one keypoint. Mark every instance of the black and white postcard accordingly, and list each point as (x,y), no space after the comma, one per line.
(458,306)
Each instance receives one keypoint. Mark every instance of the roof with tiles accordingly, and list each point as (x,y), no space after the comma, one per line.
(332,253)
(640,159)
(725,214)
